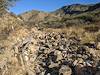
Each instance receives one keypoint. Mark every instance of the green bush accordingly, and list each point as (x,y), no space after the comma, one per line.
(86,18)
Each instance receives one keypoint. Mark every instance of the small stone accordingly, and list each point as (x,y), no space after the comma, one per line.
(53,65)
(2,49)
(54,44)
(26,58)
(61,47)
(80,61)
(75,62)
(59,55)
(42,48)
(65,70)
(48,74)
(98,45)
(89,63)
(79,55)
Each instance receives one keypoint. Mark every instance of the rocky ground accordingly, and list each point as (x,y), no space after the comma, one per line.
(58,55)
(48,53)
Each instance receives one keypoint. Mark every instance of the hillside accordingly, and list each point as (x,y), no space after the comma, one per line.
(63,42)
(34,18)
(72,9)
(77,9)
(9,22)
(71,15)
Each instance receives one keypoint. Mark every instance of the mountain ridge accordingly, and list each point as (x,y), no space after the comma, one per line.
(77,8)
(75,14)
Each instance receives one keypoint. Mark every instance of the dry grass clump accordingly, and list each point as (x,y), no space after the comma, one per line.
(87,35)
(98,37)
(92,28)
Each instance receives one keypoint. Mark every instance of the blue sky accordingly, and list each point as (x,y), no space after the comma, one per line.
(45,5)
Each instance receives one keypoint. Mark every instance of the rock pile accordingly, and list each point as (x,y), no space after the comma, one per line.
(58,55)
(46,53)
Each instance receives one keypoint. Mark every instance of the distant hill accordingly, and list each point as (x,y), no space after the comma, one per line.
(75,14)
(94,7)
(34,17)
(76,9)
(71,9)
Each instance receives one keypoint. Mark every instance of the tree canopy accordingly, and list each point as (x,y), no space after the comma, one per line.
(4,4)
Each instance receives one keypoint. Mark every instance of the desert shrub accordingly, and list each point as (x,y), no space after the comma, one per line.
(54,24)
(92,29)
(88,37)
(86,18)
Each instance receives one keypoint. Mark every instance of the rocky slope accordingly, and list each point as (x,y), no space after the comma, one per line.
(32,52)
